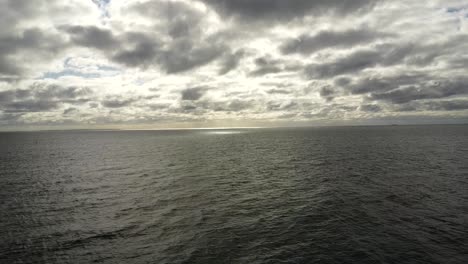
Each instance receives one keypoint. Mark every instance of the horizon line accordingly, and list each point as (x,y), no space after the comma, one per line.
(222,128)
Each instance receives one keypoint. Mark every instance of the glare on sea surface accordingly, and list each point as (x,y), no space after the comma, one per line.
(223,132)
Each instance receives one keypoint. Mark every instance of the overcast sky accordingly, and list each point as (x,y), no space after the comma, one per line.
(205,63)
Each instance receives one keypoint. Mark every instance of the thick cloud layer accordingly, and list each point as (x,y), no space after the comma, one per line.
(42,98)
(307,44)
(280,10)
(169,63)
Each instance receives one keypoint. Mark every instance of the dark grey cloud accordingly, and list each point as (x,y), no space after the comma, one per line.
(239,105)
(371,108)
(342,81)
(408,107)
(328,92)
(458,63)
(45,91)
(453,105)
(183,56)
(10,69)
(30,105)
(433,105)
(281,10)
(307,44)
(406,91)
(143,50)
(265,70)
(158,106)
(19,40)
(134,49)
(204,105)
(70,110)
(279,91)
(93,105)
(142,54)
(233,105)
(188,108)
(268,65)
(117,101)
(231,61)
(59,92)
(370,84)
(92,37)
(279,85)
(34,42)
(375,84)
(10,118)
(193,94)
(429,90)
(13,12)
(179,18)
(175,43)
(382,55)
(11,95)
(276,105)
(355,62)
(41,97)
(187,48)
(448,49)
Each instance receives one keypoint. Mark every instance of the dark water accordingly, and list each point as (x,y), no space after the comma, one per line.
(325,195)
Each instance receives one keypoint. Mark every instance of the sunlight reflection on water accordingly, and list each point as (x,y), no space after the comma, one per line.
(223,132)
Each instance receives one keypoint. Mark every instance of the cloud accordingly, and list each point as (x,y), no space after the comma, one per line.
(234,105)
(180,56)
(188,47)
(268,65)
(142,54)
(382,55)
(92,37)
(30,106)
(432,106)
(386,55)
(266,61)
(428,90)
(193,94)
(143,50)
(70,110)
(376,84)
(328,92)
(283,10)
(283,106)
(183,57)
(452,105)
(174,41)
(117,102)
(32,42)
(307,44)
(41,97)
(372,108)
(180,19)
(28,33)
(279,91)
(14,11)
(231,61)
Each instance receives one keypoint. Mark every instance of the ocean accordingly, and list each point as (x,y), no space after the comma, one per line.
(383,194)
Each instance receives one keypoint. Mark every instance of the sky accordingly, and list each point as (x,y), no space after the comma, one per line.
(231,63)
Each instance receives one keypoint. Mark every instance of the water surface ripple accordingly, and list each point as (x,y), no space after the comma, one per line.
(319,195)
